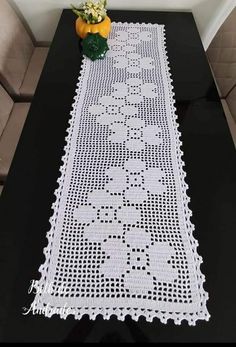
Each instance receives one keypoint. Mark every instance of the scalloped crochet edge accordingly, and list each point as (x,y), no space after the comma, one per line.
(187,212)
(39,307)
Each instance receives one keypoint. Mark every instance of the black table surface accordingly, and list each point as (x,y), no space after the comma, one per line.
(210,163)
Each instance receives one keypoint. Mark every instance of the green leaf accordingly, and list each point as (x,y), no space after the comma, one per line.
(77,11)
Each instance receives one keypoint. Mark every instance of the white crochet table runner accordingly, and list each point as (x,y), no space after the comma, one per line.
(121,240)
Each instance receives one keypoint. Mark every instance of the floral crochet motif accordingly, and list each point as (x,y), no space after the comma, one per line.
(133,36)
(134,90)
(108,110)
(104,215)
(117,49)
(139,260)
(133,62)
(135,134)
(135,181)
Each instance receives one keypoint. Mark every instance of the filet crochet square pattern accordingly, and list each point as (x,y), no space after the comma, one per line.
(121,240)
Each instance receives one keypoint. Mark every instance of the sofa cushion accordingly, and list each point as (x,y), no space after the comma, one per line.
(16,49)
(6,105)
(231,101)
(33,72)
(222,55)
(10,136)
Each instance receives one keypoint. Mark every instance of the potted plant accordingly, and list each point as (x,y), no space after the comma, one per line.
(92,18)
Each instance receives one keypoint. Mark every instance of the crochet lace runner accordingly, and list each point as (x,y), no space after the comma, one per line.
(121,240)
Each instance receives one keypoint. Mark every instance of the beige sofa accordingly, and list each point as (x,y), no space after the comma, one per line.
(12,119)
(222,57)
(20,62)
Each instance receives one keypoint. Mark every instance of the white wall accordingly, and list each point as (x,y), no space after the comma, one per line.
(42,15)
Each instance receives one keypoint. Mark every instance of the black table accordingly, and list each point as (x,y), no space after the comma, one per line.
(211,174)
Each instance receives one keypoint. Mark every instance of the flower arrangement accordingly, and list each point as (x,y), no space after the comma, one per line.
(93,27)
(91,11)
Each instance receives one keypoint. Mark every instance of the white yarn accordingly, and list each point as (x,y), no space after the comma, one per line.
(121,240)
